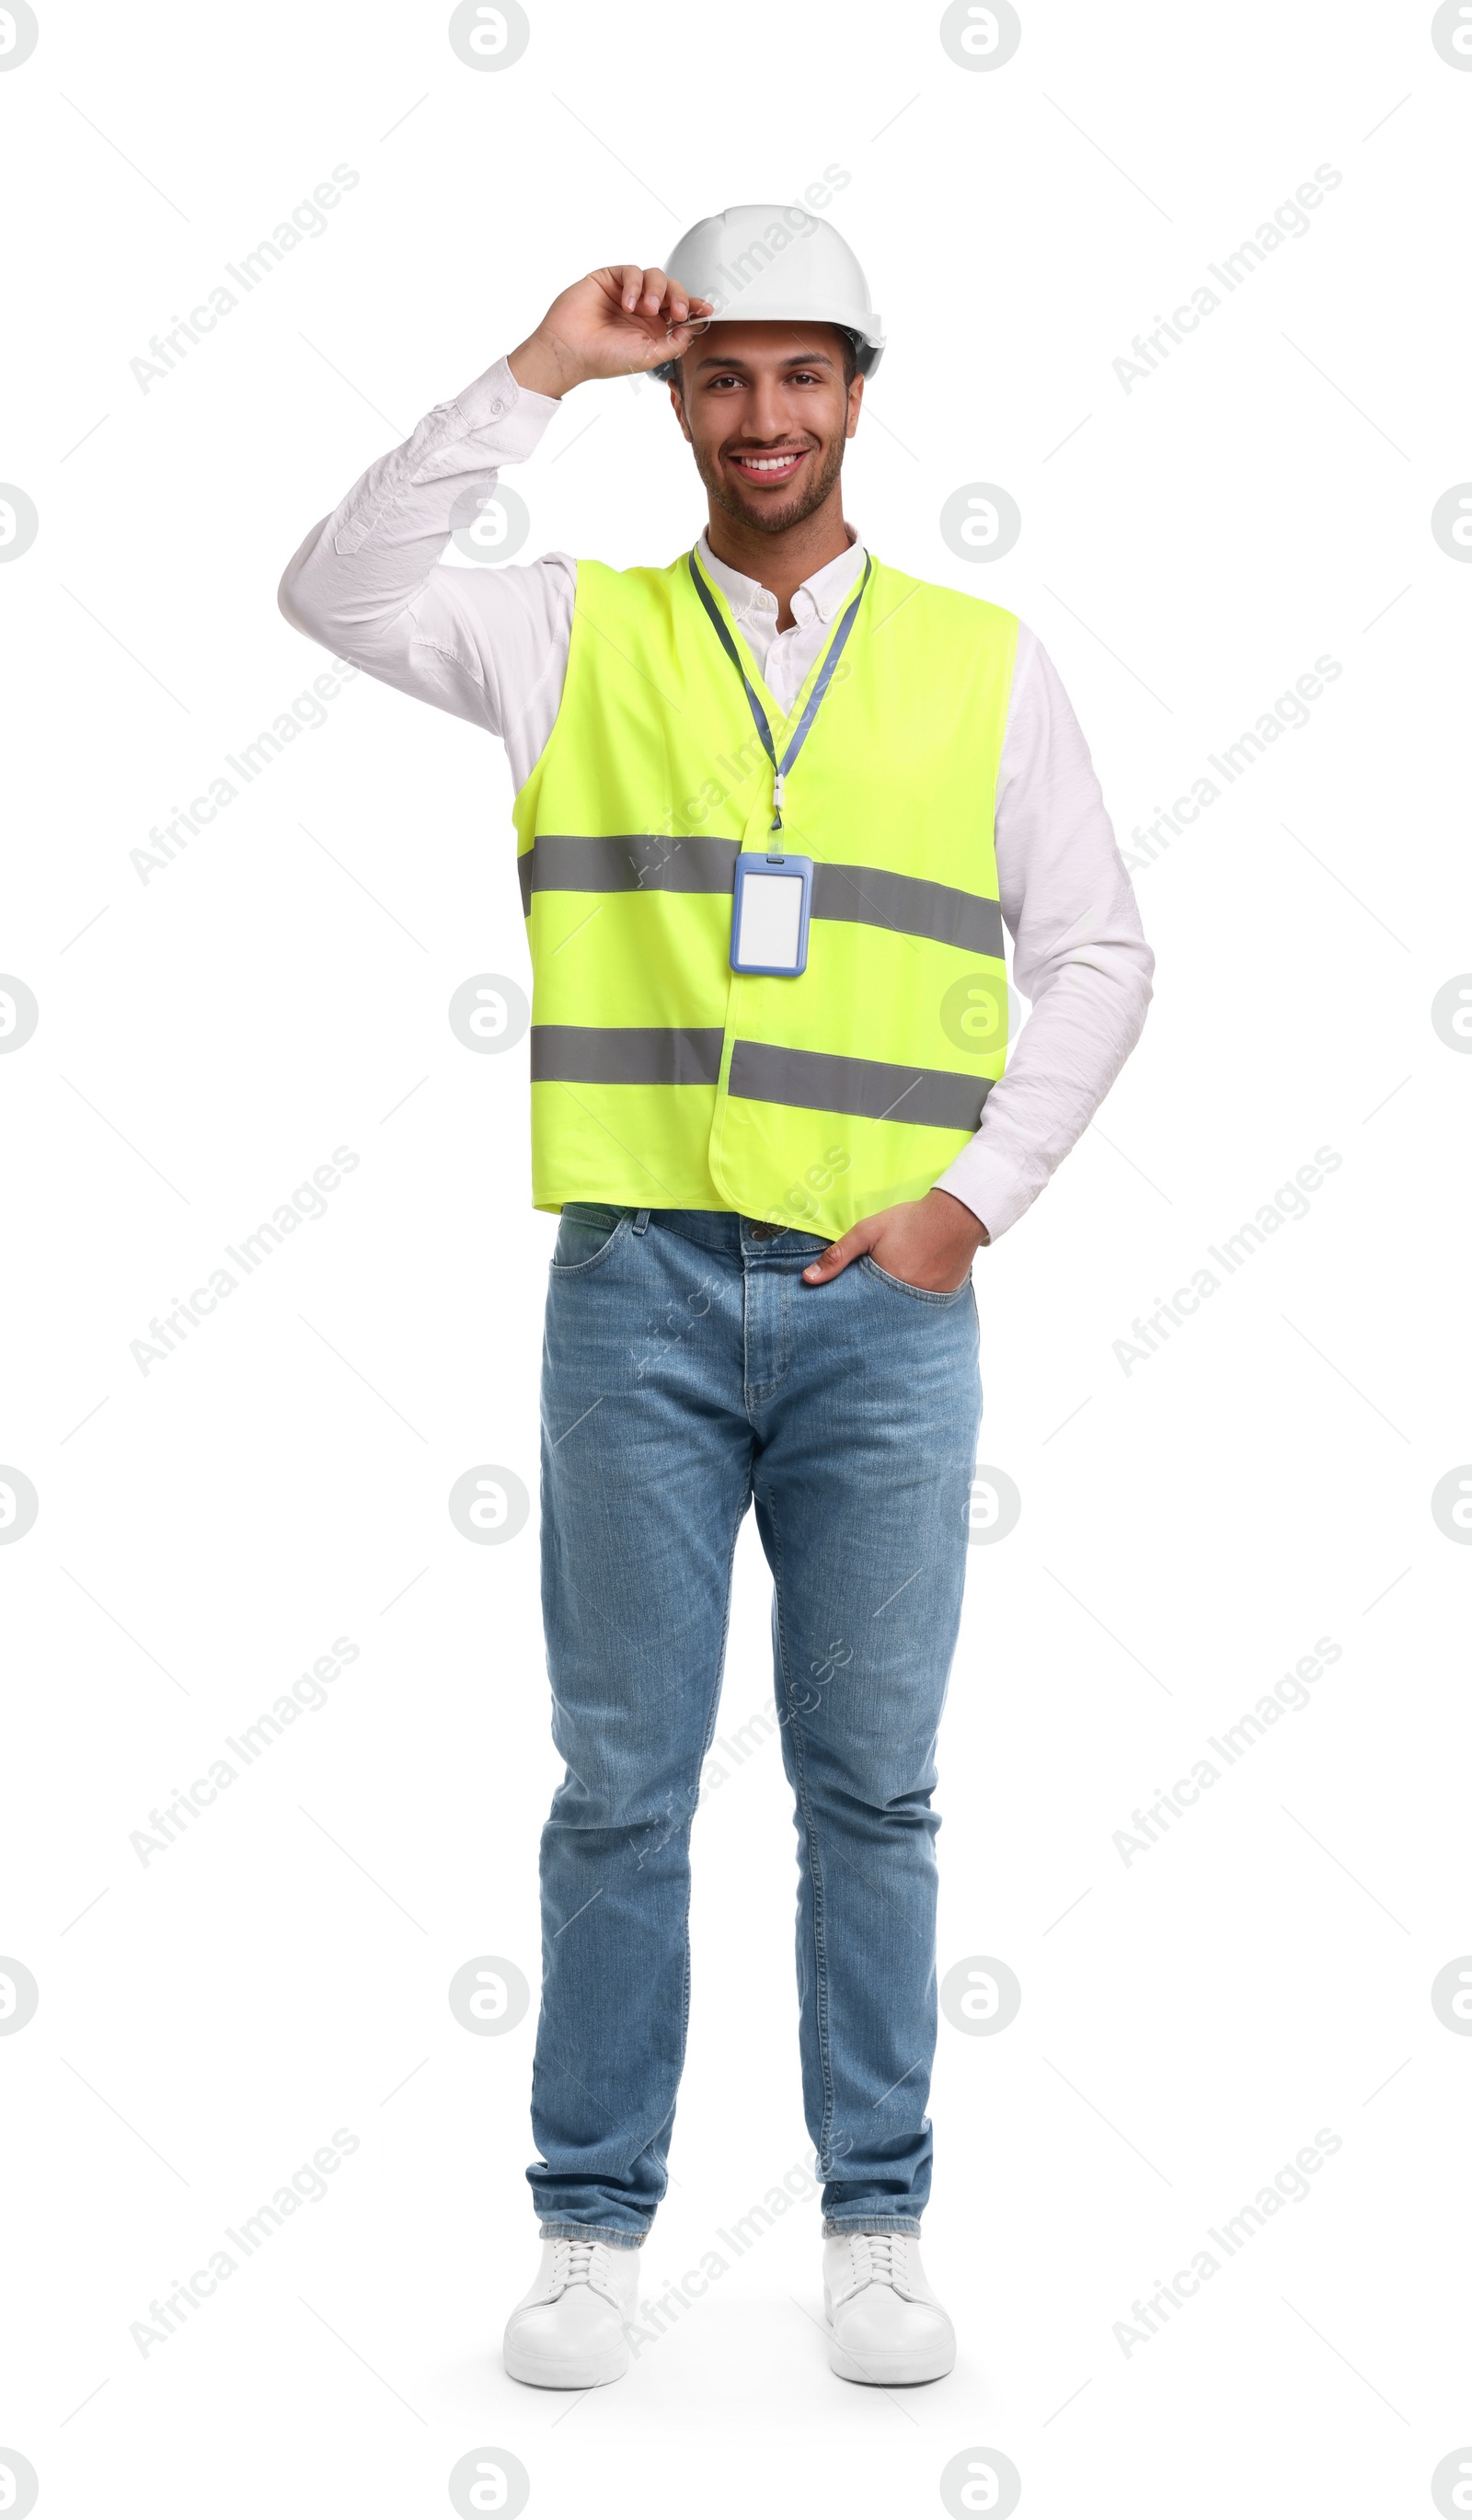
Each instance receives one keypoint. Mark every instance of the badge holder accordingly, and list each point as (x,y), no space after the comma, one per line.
(769,914)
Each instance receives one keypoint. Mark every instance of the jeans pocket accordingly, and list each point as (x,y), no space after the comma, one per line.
(586,1235)
(941,1295)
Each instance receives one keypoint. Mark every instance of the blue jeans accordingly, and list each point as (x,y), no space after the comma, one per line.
(688,1371)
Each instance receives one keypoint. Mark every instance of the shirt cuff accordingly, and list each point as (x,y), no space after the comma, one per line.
(991,1184)
(511,415)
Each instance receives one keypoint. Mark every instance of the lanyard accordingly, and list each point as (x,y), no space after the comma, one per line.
(781,768)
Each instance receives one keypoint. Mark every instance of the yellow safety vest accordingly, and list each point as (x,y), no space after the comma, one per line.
(660,1077)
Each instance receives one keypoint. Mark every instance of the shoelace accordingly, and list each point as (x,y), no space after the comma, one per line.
(880,2256)
(578,2262)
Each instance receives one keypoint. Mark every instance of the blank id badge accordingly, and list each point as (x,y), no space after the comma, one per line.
(769,912)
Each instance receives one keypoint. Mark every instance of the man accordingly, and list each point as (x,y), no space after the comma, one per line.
(775,802)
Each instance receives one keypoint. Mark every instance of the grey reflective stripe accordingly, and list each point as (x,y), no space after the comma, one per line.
(623,1055)
(626,862)
(811,1080)
(864,1089)
(910,903)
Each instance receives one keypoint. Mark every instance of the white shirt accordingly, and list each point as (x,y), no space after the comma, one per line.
(490,645)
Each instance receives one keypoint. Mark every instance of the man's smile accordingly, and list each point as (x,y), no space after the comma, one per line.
(769,466)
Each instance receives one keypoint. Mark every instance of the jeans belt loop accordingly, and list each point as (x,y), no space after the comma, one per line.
(642,1219)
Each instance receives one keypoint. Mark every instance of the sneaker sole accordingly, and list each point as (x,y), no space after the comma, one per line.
(573,2375)
(891,2371)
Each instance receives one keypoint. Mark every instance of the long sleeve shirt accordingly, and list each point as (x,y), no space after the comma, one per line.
(490,645)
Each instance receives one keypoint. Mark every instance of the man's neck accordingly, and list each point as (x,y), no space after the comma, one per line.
(781,562)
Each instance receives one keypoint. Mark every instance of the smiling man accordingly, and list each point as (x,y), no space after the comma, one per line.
(777,804)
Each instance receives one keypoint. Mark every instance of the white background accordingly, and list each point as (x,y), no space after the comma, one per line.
(1189,1528)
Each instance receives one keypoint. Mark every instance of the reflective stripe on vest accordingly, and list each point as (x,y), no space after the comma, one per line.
(644,861)
(865,1089)
(624,1054)
(660,1076)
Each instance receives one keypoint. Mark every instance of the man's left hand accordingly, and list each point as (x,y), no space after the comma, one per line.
(927,1242)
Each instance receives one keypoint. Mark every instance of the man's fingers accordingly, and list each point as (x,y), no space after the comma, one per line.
(650,294)
(654,291)
(621,283)
(694,318)
(831,1263)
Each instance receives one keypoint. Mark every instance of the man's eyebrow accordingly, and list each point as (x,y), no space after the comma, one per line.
(798,359)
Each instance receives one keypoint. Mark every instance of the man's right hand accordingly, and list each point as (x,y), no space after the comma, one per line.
(618,322)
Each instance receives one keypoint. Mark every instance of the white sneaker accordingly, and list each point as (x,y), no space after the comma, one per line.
(887,2327)
(567,2332)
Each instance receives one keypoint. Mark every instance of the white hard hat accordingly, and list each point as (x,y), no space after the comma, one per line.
(773,262)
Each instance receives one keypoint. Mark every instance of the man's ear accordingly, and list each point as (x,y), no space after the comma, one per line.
(676,405)
(856,406)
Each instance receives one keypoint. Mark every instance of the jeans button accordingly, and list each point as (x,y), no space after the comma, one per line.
(764,1233)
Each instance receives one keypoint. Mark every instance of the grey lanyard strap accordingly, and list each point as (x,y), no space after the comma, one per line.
(781,768)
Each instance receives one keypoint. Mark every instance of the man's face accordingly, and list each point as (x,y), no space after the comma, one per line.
(766,412)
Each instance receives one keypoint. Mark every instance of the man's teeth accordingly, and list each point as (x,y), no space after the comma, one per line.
(768,463)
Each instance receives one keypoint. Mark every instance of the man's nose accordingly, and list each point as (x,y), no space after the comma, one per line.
(765,417)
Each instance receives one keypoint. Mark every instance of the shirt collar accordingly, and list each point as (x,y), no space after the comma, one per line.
(820,596)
